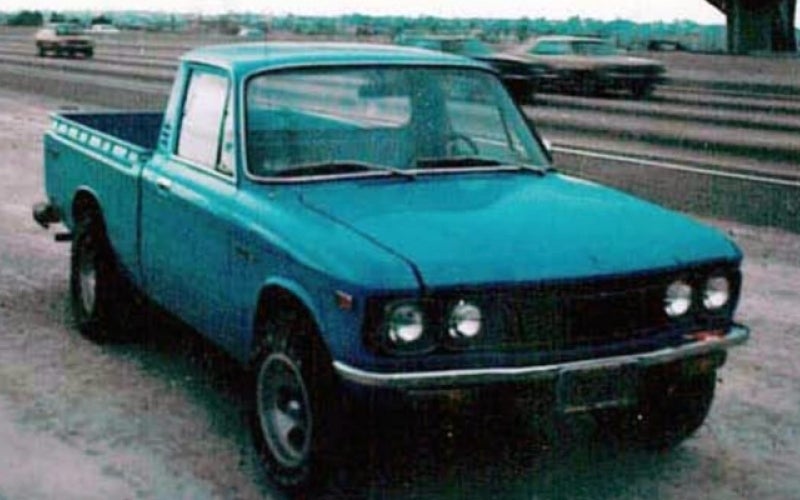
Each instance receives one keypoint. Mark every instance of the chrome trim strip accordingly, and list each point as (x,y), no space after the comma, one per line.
(454,378)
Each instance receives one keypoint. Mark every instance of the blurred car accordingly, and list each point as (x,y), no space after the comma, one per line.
(519,75)
(64,39)
(591,66)
(667,46)
(104,29)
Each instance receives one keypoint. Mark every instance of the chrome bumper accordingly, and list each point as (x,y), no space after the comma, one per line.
(738,334)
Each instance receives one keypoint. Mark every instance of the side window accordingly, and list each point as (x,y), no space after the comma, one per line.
(204,126)
(550,48)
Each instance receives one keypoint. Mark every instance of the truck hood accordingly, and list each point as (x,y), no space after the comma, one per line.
(461,230)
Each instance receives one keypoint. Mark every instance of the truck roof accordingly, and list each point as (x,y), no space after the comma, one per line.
(242,58)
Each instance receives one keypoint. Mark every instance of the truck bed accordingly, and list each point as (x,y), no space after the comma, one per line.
(139,129)
(102,155)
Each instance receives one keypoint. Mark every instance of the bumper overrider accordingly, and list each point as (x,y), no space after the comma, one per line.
(465,378)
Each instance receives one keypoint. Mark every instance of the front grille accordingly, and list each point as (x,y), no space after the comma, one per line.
(553,319)
(566,317)
(574,315)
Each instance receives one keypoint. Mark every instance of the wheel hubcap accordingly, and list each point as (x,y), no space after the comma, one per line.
(283,410)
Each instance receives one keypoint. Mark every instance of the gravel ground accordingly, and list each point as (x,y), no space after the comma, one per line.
(164,417)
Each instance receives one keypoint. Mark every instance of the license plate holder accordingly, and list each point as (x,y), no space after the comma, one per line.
(585,389)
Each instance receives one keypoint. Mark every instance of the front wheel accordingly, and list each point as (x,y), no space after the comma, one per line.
(668,413)
(295,404)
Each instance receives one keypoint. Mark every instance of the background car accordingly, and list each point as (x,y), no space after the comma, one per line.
(64,39)
(591,66)
(104,29)
(519,75)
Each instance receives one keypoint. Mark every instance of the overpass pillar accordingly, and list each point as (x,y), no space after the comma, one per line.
(761,25)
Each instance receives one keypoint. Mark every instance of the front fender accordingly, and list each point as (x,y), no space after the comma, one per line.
(291,287)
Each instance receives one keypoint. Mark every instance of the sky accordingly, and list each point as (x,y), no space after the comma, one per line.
(636,10)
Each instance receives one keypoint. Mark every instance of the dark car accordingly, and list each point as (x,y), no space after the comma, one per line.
(519,75)
(591,66)
(64,39)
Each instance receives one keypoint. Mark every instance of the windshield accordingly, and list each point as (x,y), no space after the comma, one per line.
(67,29)
(322,121)
(594,48)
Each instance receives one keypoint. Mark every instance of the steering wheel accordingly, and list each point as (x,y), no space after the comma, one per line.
(455,140)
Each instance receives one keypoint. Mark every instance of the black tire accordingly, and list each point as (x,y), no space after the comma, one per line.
(667,413)
(295,411)
(102,300)
(521,92)
(642,90)
(40,51)
(88,54)
(587,85)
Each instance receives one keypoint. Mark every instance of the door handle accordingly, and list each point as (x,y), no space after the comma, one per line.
(163,184)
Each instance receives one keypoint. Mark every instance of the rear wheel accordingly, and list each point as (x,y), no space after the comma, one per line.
(642,90)
(295,404)
(102,300)
(669,412)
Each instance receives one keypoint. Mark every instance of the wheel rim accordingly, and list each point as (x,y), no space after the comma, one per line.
(87,273)
(284,410)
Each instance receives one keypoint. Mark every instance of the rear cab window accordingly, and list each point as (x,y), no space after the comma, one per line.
(206,137)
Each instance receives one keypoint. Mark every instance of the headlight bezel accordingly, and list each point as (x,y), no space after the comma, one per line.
(437,313)
(393,342)
(461,320)
(679,297)
(699,279)
(726,290)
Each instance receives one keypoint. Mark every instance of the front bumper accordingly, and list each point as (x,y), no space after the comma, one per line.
(466,378)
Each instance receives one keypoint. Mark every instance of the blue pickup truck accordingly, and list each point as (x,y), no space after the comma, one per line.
(357,221)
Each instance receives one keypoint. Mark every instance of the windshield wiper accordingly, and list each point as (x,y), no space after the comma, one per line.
(474,161)
(341,167)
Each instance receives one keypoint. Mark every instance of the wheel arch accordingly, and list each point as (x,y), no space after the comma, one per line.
(86,202)
(280,296)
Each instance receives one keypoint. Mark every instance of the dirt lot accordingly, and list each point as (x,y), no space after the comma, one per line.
(164,417)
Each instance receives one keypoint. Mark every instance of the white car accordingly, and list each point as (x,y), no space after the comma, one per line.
(103,29)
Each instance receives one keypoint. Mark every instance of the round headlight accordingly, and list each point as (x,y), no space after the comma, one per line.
(678,299)
(465,321)
(405,324)
(717,292)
